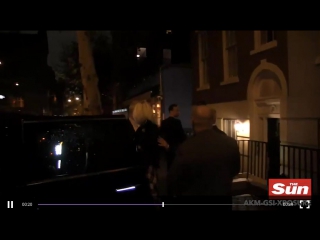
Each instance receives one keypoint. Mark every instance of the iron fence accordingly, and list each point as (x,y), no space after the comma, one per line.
(295,162)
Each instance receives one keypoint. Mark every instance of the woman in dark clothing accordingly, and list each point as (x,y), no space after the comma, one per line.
(146,141)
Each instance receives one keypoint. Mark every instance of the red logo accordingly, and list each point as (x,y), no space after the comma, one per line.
(289,189)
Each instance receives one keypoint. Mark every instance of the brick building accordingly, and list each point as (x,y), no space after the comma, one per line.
(257,75)
(266,90)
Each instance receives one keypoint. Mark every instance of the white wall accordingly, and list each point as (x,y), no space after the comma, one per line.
(232,110)
(304,87)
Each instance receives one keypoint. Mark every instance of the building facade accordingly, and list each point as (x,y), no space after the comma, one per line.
(252,76)
(265,87)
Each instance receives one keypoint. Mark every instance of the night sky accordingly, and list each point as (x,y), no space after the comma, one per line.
(56,41)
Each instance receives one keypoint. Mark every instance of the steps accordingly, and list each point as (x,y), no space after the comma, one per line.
(245,189)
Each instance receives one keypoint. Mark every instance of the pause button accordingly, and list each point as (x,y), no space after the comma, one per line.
(10,204)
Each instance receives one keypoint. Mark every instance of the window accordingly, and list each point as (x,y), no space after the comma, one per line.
(267,36)
(229,129)
(203,57)
(264,40)
(168,31)
(230,57)
(237,129)
(232,54)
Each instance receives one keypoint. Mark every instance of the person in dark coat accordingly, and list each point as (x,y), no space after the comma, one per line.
(214,126)
(206,163)
(146,142)
(172,133)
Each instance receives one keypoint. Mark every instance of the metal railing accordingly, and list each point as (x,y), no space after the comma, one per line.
(295,162)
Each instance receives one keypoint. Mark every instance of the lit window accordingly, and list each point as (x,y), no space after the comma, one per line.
(229,129)
(237,129)
(168,32)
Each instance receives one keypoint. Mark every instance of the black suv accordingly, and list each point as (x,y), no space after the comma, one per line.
(70,160)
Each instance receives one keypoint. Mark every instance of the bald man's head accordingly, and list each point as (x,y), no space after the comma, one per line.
(203,118)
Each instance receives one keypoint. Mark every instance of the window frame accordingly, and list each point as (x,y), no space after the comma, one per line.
(259,46)
(226,61)
(202,39)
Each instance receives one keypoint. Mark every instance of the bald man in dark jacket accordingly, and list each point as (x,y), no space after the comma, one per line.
(206,163)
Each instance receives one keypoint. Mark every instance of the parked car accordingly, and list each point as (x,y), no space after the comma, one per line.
(63,160)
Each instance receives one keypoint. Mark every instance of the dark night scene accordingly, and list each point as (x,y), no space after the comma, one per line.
(154,120)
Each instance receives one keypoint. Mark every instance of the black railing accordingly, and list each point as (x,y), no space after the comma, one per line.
(295,162)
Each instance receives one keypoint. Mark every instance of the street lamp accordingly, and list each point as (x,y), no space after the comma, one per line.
(17,84)
(69,100)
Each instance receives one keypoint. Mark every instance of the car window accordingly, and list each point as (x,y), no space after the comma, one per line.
(57,148)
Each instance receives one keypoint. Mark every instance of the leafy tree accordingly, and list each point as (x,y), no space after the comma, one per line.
(115,64)
(69,71)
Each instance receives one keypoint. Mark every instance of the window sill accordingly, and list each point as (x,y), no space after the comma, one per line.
(230,81)
(264,47)
(203,87)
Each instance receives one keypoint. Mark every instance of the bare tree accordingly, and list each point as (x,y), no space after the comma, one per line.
(89,77)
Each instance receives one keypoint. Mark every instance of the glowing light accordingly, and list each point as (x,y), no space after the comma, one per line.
(158,105)
(242,128)
(126,189)
(2,97)
(154,111)
(77,98)
(17,84)
(69,100)
(0,63)
(59,164)
(119,110)
(58,149)
(138,55)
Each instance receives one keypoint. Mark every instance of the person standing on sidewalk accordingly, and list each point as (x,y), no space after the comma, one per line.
(206,163)
(171,133)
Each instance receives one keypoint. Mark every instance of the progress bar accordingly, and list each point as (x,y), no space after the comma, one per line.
(133,204)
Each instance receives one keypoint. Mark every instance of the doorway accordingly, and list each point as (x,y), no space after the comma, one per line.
(274,147)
